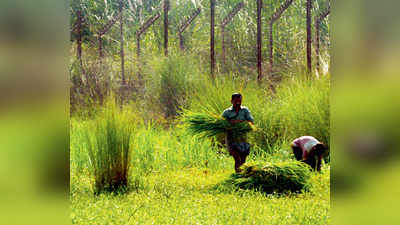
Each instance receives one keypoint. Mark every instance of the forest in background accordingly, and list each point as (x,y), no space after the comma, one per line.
(96,41)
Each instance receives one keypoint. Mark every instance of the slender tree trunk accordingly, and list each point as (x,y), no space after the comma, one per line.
(223,44)
(79,39)
(317,44)
(122,45)
(138,46)
(181,41)
(259,44)
(309,38)
(100,38)
(138,57)
(79,44)
(166,8)
(270,49)
(212,53)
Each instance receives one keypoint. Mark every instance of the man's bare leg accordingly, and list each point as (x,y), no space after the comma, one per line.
(238,160)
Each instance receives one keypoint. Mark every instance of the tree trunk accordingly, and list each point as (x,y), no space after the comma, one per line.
(270,49)
(259,44)
(122,45)
(138,57)
(212,53)
(166,8)
(137,46)
(181,41)
(317,44)
(309,40)
(100,47)
(79,44)
(79,39)
(223,44)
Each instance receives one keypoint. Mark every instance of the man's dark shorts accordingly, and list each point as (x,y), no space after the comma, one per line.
(242,148)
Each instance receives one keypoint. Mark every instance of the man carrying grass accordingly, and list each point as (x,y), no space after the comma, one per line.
(237,146)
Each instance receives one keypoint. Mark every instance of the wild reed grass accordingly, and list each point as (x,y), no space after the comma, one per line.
(108,142)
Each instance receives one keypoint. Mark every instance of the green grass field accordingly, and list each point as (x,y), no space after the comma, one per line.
(189,196)
(176,177)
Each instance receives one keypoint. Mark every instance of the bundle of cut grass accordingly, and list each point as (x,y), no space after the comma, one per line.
(278,177)
(207,125)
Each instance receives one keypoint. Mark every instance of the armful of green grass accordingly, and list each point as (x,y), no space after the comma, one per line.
(208,125)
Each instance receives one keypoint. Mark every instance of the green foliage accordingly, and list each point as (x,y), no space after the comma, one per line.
(175,84)
(169,83)
(276,177)
(211,125)
(240,34)
(299,107)
(304,107)
(109,146)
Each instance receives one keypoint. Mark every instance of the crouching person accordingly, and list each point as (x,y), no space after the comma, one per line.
(309,150)
(238,147)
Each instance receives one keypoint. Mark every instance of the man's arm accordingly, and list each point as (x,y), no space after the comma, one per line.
(224,115)
(249,117)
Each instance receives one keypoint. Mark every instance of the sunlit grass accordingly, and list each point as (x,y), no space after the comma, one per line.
(174,180)
(174,176)
(187,196)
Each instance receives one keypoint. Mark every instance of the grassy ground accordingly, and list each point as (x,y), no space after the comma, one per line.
(175,179)
(174,176)
(189,196)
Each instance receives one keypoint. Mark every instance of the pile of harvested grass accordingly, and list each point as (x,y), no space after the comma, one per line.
(207,125)
(278,177)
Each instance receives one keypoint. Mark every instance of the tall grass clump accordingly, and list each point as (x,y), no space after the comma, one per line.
(278,177)
(303,107)
(171,82)
(299,107)
(108,142)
